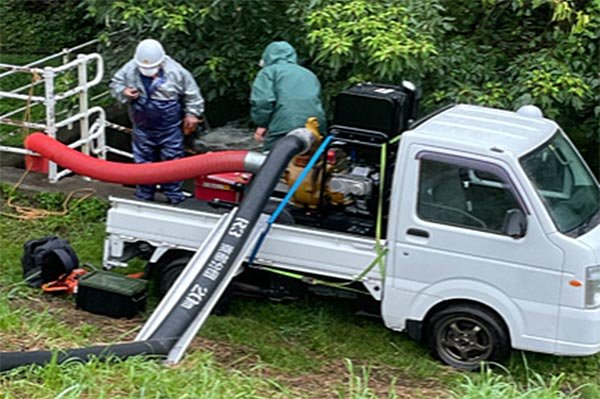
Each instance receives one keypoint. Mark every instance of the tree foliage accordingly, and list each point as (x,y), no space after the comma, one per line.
(43,26)
(219,41)
(501,53)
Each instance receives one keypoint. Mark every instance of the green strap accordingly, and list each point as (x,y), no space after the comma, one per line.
(310,280)
(379,222)
(374,262)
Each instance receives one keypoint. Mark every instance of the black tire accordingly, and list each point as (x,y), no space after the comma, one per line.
(463,336)
(167,275)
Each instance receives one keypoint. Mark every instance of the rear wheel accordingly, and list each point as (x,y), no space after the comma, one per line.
(463,336)
(168,274)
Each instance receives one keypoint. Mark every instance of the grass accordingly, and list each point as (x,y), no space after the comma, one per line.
(490,385)
(199,377)
(311,348)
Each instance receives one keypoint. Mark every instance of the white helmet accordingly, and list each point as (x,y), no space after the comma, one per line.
(149,54)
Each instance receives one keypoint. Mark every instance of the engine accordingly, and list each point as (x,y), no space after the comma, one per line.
(347,185)
(354,189)
(342,191)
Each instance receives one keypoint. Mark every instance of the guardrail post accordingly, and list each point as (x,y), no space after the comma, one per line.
(102,138)
(84,123)
(50,103)
(65,57)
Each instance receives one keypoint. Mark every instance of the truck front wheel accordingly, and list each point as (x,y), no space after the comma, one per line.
(463,336)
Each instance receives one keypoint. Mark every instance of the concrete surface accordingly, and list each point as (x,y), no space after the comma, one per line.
(38,182)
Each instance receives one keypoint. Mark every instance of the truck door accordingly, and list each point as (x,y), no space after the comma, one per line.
(451,242)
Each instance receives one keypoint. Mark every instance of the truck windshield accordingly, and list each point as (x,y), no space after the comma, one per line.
(569,191)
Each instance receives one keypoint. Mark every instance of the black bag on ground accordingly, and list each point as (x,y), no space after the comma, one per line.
(46,259)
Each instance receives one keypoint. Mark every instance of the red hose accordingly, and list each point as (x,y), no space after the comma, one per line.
(124,173)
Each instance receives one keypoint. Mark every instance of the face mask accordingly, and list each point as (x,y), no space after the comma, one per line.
(149,72)
(261,63)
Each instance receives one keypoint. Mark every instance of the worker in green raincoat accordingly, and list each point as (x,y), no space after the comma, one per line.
(284,95)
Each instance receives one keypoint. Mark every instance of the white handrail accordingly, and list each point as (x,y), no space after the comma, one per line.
(92,140)
(80,115)
(97,79)
(60,96)
(25,97)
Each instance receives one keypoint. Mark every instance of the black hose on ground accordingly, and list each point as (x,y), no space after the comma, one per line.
(203,286)
(160,349)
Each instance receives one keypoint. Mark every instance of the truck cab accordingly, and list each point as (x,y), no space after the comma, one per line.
(494,238)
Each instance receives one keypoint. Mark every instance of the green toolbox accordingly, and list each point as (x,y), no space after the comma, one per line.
(111,294)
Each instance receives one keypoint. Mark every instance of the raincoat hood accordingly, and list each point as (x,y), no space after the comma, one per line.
(279,51)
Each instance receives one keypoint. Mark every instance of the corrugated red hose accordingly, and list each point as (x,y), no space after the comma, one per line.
(124,173)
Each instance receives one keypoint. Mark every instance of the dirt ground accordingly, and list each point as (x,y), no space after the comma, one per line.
(324,383)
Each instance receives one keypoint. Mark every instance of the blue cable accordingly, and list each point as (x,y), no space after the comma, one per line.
(289,195)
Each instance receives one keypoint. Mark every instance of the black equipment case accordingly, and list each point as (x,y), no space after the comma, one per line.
(375,112)
(111,294)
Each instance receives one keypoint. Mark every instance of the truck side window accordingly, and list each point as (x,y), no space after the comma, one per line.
(462,196)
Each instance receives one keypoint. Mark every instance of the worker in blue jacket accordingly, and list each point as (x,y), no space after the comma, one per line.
(163,98)
(284,95)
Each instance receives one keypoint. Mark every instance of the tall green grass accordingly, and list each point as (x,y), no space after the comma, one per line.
(358,384)
(498,383)
(198,377)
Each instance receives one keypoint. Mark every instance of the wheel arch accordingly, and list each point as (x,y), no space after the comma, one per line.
(464,302)
(470,292)
(165,258)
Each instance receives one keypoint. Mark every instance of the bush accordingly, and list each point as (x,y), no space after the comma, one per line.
(500,53)
(43,26)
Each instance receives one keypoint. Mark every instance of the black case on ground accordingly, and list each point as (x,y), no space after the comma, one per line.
(375,112)
(111,294)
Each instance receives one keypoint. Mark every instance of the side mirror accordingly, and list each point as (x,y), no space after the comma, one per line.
(515,223)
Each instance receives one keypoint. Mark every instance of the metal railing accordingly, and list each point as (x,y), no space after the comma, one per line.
(92,140)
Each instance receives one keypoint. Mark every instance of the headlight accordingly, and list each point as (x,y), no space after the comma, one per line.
(592,287)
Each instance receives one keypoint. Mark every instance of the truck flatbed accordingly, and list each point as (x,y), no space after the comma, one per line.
(185,226)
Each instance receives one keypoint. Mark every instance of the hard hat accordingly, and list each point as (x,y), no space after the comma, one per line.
(149,54)
(530,111)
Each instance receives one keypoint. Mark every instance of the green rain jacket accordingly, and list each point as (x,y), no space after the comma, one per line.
(284,94)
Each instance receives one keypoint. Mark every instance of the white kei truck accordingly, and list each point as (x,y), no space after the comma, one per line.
(490,226)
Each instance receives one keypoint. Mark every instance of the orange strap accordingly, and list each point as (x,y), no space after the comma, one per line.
(66,284)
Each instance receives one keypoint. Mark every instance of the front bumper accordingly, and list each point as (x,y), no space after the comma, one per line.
(578,332)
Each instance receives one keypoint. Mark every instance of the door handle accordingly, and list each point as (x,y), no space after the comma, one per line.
(363,246)
(417,232)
